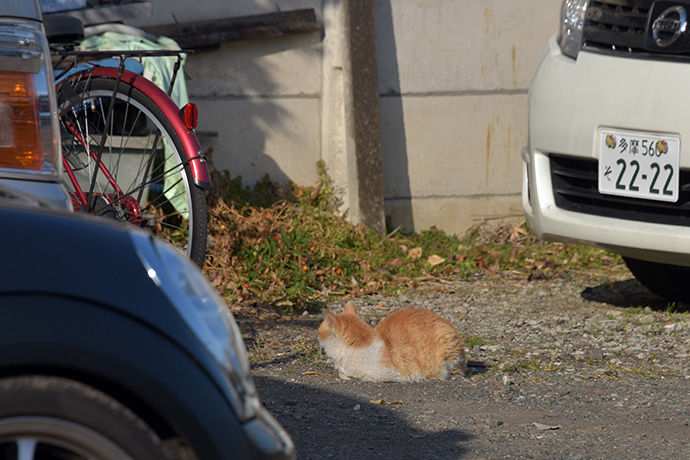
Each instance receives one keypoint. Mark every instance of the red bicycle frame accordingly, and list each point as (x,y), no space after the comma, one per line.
(190,143)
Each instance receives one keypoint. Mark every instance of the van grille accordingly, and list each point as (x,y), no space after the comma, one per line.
(575,188)
(623,28)
(617,25)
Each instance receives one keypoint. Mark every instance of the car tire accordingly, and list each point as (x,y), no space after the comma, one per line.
(51,417)
(669,281)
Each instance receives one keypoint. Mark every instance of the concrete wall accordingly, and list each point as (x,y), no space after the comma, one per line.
(453,80)
(261,98)
(454,77)
(264,105)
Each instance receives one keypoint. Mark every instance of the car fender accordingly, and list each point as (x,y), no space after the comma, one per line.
(88,342)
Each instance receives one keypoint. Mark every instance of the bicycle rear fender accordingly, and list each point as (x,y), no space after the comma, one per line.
(190,143)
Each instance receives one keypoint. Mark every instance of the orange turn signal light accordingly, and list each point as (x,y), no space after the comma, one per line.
(20,131)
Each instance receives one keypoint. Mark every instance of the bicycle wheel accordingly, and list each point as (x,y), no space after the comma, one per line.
(128,162)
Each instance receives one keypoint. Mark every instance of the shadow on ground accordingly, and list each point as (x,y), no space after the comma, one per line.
(326,425)
(626,293)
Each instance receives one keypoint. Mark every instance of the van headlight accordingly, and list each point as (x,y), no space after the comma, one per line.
(206,314)
(572,24)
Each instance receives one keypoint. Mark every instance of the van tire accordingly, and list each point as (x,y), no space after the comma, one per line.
(669,281)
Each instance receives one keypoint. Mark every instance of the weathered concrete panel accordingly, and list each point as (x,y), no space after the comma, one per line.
(287,67)
(454,76)
(443,153)
(452,146)
(427,46)
(452,215)
(279,137)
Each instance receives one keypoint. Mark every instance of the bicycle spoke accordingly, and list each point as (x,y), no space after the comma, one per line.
(169,226)
(141,176)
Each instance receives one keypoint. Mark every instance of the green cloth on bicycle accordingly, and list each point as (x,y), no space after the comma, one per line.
(160,71)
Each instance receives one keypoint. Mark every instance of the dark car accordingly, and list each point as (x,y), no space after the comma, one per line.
(113,346)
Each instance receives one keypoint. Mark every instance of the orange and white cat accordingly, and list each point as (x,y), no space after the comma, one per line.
(408,345)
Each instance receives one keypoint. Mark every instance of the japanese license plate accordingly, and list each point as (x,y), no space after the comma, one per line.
(639,165)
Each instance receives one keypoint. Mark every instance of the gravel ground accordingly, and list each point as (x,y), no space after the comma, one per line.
(573,368)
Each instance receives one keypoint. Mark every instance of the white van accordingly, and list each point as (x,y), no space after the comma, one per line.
(608,155)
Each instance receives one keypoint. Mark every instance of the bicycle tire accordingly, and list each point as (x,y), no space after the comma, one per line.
(149,186)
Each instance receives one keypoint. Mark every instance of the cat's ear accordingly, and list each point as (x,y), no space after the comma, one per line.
(330,319)
(350,308)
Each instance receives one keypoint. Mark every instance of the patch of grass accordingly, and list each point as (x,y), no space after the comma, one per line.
(655,356)
(677,311)
(633,312)
(524,365)
(641,371)
(472,341)
(555,364)
(594,330)
(554,367)
(513,352)
(288,246)
(671,308)
(308,351)
(255,351)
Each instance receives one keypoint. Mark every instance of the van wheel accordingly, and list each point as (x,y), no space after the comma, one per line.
(669,281)
(54,418)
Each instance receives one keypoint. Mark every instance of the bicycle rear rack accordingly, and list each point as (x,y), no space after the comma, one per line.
(79,56)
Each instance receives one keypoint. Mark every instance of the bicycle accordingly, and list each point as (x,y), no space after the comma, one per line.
(128,151)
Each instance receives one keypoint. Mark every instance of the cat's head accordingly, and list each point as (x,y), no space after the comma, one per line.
(347,326)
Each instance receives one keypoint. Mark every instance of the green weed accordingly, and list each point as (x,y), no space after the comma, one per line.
(286,245)
(521,366)
(472,341)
